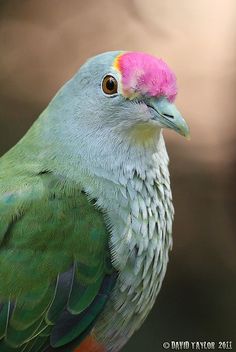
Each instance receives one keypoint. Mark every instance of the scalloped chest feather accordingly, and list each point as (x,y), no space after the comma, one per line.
(141,224)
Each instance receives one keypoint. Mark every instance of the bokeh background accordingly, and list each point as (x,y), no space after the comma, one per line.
(43,43)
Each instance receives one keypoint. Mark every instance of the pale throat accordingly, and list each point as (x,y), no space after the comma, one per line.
(144,134)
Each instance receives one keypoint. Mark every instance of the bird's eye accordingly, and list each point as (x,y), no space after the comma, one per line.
(109,85)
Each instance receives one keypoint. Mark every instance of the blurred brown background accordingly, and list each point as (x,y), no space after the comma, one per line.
(42,44)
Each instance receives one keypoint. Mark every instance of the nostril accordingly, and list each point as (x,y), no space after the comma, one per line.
(170,116)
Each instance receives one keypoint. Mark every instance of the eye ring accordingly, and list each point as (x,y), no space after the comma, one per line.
(109,85)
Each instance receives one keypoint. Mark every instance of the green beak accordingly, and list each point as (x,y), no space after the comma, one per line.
(167,116)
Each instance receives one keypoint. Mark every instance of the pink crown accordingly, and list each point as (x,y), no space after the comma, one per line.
(144,74)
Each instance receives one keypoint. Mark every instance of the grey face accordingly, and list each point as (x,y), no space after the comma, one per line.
(100,99)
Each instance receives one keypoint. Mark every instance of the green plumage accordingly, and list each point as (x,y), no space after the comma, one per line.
(93,145)
(48,228)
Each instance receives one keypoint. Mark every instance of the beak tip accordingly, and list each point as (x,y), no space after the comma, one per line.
(188,137)
(186,133)
(184,130)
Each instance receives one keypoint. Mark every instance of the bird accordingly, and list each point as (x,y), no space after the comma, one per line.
(86,209)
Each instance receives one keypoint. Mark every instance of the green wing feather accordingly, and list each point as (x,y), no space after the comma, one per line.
(54,260)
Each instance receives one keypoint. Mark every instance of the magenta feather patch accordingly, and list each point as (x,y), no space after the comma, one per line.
(146,75)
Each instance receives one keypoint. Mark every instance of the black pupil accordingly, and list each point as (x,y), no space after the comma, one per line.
(110,84)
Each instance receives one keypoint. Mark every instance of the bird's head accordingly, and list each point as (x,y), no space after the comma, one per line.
(131,92)
(116,104)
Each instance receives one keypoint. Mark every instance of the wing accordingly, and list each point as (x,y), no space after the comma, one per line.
(55,270)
